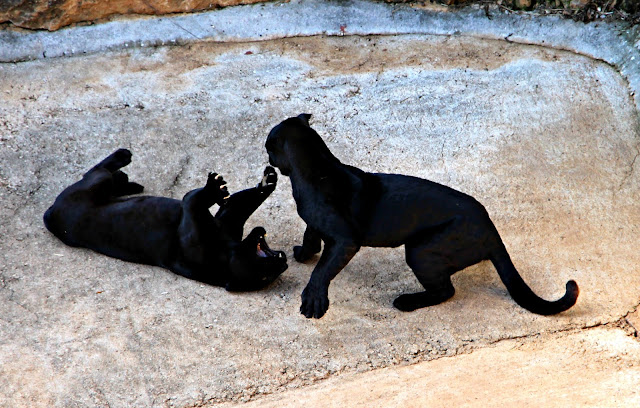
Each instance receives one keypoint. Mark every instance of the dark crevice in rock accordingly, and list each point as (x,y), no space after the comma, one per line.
(176,180)
(631,170)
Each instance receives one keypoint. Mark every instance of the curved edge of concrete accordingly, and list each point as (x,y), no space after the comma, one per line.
(615,43)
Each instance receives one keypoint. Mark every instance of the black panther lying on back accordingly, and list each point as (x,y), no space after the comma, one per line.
(443,230)
(181,236)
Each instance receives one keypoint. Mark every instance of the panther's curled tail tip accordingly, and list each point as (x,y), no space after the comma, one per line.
(565,302)
(572,289)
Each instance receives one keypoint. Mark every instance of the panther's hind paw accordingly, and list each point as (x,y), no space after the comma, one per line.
(412,301)
(116,160)
(134,188)
(121,158)
(405,303)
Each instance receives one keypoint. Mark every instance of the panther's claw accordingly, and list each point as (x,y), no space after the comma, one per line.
(218,187)
(269,180)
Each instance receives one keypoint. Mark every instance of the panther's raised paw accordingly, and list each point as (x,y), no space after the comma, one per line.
(122,157)
(116,160)
(269,180)
(217,187)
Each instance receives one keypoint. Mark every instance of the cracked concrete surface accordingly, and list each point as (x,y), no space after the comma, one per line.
(512,372)
(545,136)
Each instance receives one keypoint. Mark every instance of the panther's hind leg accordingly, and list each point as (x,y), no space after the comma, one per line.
(105,180)
(122,186)
(437,291)
(434,257)
(115,161)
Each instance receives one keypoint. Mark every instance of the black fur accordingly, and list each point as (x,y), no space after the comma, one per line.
(181,236)
(443,230)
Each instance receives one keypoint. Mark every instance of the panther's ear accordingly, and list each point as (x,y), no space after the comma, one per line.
(305,118)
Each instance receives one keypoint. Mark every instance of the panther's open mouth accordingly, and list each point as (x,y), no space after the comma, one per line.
(263,250)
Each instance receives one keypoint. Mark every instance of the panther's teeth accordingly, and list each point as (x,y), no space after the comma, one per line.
(222,186)
(218,177)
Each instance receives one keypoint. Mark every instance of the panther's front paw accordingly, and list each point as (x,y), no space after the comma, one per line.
(269,180)
(315,302)
(217,187)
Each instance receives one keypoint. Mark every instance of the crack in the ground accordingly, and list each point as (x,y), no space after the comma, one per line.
(631,170)
(468,347)
(628,325)
(20,305)
(183,166)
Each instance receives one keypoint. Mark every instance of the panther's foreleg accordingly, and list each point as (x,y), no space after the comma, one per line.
(335,256)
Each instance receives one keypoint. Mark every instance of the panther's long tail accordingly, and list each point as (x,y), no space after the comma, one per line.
(523,295)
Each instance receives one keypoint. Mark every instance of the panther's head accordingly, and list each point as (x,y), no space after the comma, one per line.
(253,264)
(294,144)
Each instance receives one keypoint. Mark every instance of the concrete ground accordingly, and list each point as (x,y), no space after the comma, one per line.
(535,117)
